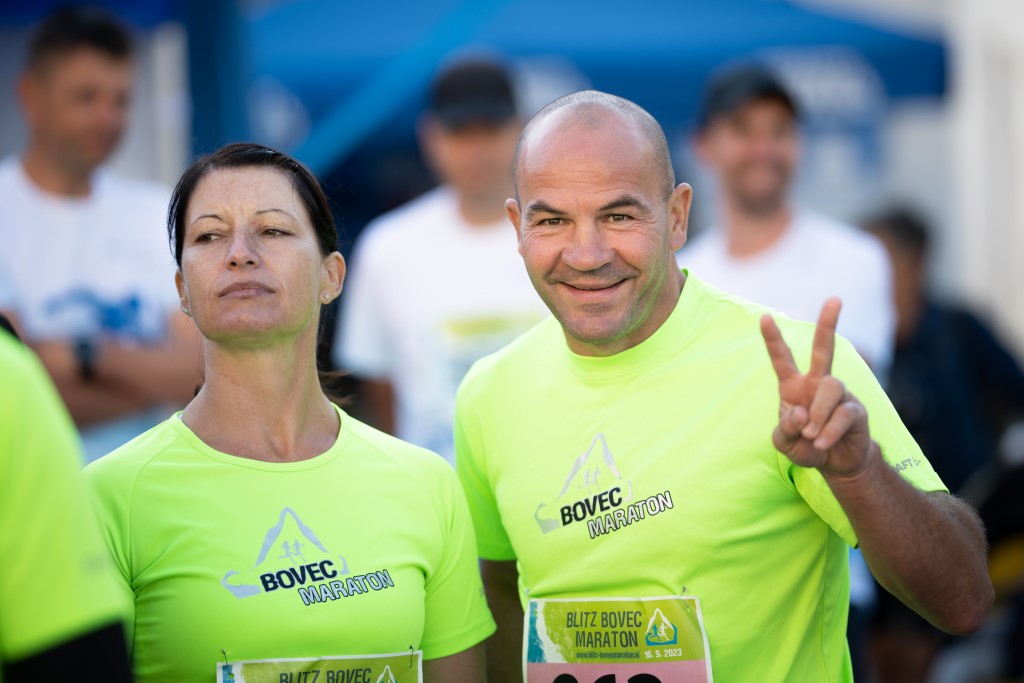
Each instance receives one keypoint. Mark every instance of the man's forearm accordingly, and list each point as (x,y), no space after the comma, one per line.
(927,549)
(505,647)
(90,403)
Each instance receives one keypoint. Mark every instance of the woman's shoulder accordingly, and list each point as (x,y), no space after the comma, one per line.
(126,463)
(426,468)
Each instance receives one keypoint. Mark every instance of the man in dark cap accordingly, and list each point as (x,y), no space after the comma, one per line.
(748,135)
(436,284)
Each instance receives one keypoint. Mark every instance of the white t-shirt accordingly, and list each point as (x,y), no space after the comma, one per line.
(90,266)
(815,258)
(427,295)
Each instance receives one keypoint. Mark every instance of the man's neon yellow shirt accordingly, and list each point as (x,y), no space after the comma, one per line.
(56,579)
(365,549)
(652,472)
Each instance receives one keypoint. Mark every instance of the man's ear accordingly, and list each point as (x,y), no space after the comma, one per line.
(679,215)
(514,217)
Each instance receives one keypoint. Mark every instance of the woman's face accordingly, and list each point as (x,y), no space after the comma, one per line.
(251,269)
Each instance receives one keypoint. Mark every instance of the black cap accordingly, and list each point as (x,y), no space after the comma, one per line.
(473,91)
(729,90)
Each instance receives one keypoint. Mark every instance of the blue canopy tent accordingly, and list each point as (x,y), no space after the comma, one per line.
(359,67)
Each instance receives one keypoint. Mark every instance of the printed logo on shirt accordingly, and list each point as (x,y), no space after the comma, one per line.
(595,492)
(83,308)
(293,558)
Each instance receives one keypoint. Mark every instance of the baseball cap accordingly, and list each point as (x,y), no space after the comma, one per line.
(472,91)
(729,90)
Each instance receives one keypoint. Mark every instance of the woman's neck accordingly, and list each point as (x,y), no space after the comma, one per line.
(264,404)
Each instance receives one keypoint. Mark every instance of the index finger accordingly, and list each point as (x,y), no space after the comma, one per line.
(778,349)
(825,338)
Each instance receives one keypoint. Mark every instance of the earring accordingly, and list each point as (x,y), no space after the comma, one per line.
(185,311)
(327,297)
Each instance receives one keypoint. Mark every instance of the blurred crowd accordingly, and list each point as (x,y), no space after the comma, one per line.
(87,283)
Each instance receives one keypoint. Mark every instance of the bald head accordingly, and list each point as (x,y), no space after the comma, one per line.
(593,110)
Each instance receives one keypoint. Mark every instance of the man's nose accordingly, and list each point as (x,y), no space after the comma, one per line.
(588,248)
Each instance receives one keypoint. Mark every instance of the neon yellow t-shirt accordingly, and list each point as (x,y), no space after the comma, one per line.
(652,473)
(56,578)
(365,549)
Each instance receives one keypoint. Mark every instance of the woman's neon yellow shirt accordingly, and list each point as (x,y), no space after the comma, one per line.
(364,549)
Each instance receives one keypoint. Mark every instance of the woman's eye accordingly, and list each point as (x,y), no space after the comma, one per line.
(206,237)
(274,232)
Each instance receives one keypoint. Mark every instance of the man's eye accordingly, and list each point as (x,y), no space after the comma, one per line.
(618,217)
(551,221)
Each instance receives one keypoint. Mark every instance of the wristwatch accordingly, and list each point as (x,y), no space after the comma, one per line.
(85,353)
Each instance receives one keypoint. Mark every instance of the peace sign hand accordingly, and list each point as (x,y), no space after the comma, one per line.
(821,424)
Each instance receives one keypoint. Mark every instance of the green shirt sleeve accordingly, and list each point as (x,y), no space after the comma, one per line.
(457,616)
(897,445)
(492,540)
(56,581)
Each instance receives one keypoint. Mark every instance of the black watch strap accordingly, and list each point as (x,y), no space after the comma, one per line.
(85,353)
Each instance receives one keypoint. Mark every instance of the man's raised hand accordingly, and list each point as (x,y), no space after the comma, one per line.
(821,424)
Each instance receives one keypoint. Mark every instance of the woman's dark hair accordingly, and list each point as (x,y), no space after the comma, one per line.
(249,155)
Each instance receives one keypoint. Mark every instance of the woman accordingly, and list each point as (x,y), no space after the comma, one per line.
(262,522)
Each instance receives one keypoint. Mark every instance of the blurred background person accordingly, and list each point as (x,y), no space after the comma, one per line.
(437,283)
(955,384)
(87,277)
(957,388)
(60,610)
(748,136)
(773,253)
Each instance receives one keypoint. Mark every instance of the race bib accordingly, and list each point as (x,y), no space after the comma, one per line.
(616,640)
(403,667)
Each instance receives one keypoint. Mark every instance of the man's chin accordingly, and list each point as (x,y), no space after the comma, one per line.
(763,204)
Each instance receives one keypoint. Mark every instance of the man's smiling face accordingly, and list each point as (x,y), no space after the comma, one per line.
(597,230)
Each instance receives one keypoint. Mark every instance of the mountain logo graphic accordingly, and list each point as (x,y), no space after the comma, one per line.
(591,474)
(387,676)
(661,631)
(294,550)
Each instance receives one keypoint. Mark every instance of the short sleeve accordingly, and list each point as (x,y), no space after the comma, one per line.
(491,538)
(363,343)
(110,488)
(457,616)
(897,445)
(56,578)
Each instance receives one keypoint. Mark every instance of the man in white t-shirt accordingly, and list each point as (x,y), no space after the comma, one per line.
(436,284)
(85,271)
(748,136)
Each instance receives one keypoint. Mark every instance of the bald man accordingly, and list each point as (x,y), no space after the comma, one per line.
(665,490)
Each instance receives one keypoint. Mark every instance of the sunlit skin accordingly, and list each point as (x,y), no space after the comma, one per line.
(597,230)
(252,274)
(754,151)
(77,106)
